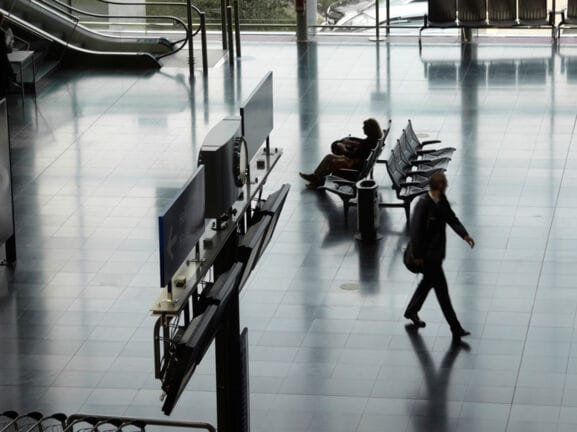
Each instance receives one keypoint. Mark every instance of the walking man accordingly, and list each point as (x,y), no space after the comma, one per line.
(428,240)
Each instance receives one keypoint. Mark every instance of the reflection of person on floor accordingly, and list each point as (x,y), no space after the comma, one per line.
(428,240)
(347,153)
(436,380)
(7,77)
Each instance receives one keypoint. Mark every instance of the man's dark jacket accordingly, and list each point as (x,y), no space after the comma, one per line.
(428,228)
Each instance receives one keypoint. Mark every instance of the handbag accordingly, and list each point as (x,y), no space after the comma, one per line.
(410,262)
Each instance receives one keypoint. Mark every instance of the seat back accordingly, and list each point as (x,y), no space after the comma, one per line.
(394,169)
(442,11)
(405,153)
(571,9)
(412,135)
(502,10)
(472,11)
(412,139)
(533,10)
(368,164)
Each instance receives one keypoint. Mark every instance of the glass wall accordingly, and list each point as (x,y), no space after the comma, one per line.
(255,15)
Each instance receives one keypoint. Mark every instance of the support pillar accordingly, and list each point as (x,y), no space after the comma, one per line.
(302,31)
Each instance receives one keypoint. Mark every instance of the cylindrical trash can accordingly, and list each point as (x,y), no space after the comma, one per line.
(368,210)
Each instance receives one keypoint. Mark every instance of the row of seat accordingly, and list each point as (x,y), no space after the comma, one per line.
(409,167)
(497,13)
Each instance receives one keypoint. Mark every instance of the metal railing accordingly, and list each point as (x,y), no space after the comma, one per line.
(73,13)
(69,10)
(189,9)
(121,423)
(11,421)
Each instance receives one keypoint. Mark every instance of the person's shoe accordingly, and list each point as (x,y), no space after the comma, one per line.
(458,334)
(311,178)
(460,344)
(314,186)
(415,319)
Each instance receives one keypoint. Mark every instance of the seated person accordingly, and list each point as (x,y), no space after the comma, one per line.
(347,153)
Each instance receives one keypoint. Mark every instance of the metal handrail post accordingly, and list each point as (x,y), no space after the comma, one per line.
(237,27)
(204,44)
(377,20)
(223,23)
(189,37)
(388,17)
(230,36)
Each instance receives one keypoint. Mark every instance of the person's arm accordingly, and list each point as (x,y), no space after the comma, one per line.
(418,229)
(352,144)
(456,224)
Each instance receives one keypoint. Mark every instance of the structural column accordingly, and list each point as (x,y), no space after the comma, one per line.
(302,30)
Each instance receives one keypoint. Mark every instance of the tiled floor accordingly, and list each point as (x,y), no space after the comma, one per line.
(103,152)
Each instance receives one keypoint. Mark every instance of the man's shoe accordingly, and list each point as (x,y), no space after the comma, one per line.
(459,344)
(458,334)
(415,319)
(311,178)
(314,186)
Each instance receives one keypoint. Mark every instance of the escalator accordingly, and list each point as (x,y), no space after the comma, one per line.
(64,34)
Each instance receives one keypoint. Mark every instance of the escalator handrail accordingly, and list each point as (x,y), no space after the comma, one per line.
(176,46)
(48,36)
(97,15)
(67,14)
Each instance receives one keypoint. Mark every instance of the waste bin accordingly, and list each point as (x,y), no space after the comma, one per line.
(368,210)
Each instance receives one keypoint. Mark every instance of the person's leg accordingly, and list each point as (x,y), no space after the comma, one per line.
(442,291)
(332,163)
(328,165)
(322,170)
(419,296)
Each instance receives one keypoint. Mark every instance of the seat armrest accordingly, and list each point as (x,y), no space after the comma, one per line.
(347,174)
(339,180)
(343,182)
(427,142)
(425,173)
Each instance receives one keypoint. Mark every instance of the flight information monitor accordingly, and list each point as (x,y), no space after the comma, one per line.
(257,116)
(181,225)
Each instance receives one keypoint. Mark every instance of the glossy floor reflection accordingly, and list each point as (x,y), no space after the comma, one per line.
(102,152)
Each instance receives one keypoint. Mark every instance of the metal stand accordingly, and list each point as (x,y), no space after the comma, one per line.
(228,371)
(230,35)
(223,24)
(204,43)
(237,27)
(189,36)
(378,22)
(302,31)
